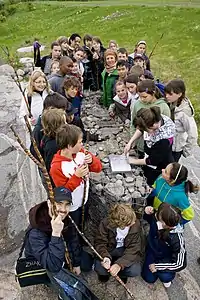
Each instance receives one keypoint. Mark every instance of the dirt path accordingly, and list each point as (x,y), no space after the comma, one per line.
(150,3)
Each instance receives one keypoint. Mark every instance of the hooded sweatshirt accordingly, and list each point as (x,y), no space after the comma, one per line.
(47,249)
(164,109)
(62,172)
(174,195)
(167,255)
(186,128)
(56,83)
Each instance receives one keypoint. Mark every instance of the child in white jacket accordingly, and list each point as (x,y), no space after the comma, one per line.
(35,94)
(182,113)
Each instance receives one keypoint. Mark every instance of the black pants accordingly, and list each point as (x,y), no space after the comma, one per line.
(177,155)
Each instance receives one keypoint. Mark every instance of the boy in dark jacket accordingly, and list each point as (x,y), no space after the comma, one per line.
(48,233)
(46,61)
(165,253)
(118,241)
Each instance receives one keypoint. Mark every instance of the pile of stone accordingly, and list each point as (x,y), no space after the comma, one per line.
(108,187)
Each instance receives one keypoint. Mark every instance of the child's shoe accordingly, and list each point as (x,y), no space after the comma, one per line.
(167,284)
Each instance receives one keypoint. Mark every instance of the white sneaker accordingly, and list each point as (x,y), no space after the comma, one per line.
(167,284)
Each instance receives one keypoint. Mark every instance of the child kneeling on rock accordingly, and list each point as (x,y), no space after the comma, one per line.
(119,242)
(122,103)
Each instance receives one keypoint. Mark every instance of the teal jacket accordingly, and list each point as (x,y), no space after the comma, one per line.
(174,195)
(108,83)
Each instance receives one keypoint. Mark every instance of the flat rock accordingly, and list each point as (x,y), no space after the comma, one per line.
(29,49)
(129,179)
(26,60)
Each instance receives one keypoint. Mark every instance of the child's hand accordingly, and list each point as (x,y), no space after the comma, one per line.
(82,171)
(114,270)
(149,210)
(33,121)
(88,158)
(152,268)
(127,148)
(57,225)
(127,123)
(95,56)
(106,263)
(77,270)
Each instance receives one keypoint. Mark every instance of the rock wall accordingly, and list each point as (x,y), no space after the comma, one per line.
(20,187)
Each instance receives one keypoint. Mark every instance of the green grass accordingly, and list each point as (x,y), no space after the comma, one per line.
(177,55)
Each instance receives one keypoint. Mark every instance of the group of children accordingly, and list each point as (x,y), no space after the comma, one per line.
(162,126)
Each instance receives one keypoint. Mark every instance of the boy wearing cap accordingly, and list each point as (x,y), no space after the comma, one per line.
(48,233)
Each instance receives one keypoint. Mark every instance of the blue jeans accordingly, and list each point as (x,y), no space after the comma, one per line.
(132,271)
(148,276)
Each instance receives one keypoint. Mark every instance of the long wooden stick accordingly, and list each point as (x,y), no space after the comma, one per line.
(156,44)
(99,256)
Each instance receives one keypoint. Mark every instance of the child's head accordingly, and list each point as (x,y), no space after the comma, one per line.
(52,119)
(71,86)
(37,82)
(75,69)
(131,82)
(139,61)
(113,45)
(146,90)
(140,47)
(55,67)
(168,215)
(121,90)
(69,137)
(87,40)
(55,50)
(65,65)
(175,91)
(96,43)
(148,119)
(63,42)
(122,68)
(139,71)
(79,54)
(55,100)
(122,54)
(121,216)
(110,57)
(176,174)
(75,40)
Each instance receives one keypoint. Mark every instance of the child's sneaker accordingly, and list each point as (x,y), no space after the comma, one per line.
(167,284)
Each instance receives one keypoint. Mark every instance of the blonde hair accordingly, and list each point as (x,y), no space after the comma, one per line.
(34,76)
(121,215)
(52,119)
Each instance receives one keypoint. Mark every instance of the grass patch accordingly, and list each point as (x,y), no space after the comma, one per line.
(177,55)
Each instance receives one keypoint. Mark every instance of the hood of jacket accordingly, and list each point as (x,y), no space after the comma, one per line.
(39,217)
(186,107)
(129,99)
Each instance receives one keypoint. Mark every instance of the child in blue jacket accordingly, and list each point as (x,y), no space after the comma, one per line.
(165,252)
(173,187)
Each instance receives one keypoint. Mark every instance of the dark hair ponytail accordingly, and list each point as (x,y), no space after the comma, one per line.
(179,174)
(171,216)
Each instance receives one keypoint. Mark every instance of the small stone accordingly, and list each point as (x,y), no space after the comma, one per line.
(91,143)
(127,198)
(119,182)
(131,190)
(142,190)
(20,72)
(99,187)
(105,160)
(113,179)
(119,139)
(136,194)
(119,177)
(129,179)
(100,148)
(97,127)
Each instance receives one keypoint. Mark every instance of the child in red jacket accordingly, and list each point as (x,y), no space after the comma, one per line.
(71,165)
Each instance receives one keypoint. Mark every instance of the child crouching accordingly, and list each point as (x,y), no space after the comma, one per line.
(122,103)
(118,241)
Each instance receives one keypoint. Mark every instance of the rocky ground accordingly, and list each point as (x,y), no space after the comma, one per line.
(20,189)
